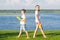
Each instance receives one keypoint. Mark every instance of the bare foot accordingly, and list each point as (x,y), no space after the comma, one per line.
(18,36)
(45,37)
(28,37)
(33,36)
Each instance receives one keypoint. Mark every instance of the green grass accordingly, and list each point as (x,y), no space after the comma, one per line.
(12,35)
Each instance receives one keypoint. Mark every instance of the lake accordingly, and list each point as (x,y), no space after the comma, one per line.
(50,21)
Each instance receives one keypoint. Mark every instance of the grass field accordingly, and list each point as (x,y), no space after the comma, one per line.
(12,35)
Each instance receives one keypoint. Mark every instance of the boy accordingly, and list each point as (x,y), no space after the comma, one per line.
(23,24)
(38,23)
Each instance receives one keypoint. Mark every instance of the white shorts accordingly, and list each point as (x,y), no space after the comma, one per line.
(23,27)
(36,21)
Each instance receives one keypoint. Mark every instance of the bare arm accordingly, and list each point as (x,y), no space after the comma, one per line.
(37,16)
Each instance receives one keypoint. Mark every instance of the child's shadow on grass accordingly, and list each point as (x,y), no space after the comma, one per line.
(51,34)
(54,33)
(16,33)
(8,34)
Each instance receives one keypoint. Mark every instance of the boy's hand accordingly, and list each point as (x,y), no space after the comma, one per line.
(18,17)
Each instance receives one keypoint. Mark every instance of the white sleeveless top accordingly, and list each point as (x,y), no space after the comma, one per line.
(36,19)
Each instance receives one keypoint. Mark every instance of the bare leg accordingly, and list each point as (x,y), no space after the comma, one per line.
(27,34)
(19,34)
(35,31)
(41,29)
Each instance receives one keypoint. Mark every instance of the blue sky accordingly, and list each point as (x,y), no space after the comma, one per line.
(29,4)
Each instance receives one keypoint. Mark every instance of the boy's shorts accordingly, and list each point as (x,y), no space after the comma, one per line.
(23,27)
(39,24)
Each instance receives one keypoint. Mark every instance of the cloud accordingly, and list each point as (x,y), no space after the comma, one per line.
(29,4)
(12,2)
(53,2)
(50,4)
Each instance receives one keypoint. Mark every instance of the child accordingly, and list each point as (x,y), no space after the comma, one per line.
(23,23)
(38,23)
